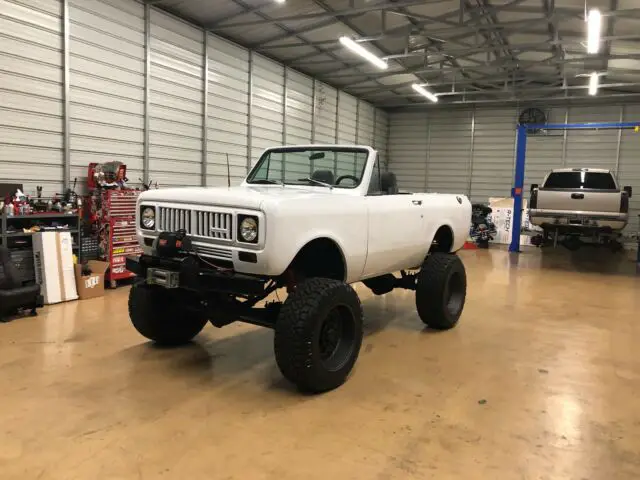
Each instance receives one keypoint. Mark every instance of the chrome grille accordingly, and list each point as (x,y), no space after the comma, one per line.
(213,251)
(213,225)
(174,219)
(200,223)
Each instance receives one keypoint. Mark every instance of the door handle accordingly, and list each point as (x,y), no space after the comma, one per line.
(577,196)
(416,202)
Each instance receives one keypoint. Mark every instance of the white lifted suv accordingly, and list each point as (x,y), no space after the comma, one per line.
(313,219)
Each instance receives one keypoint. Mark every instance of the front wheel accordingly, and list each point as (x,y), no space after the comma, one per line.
(160,315)
(441,290)
(318,334)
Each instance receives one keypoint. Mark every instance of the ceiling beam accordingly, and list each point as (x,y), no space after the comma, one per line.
(522,65)
(242,4)
(350,25)
(611,25)
(458,32)
(309,28)
(256,8)
(562,99)
(385,5)
(554,34)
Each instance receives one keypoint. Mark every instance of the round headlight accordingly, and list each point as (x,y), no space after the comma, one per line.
(249,229)
(149,218)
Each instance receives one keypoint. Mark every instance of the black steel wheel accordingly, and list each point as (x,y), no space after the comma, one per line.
(318,334)
(572,243)
(441,290)
(161,315)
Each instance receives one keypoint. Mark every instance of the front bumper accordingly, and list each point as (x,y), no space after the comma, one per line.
(578,220)
(189,274)
(243,258)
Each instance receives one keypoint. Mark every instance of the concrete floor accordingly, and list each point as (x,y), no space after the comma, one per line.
(538,381)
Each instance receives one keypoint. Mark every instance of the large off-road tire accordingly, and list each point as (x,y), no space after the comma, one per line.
(572,243)
(441,290)
(160,315)
(318,334)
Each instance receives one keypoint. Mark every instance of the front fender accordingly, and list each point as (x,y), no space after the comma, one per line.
(293,224)
(304,241)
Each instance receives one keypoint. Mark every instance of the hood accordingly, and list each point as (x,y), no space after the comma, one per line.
(250,197)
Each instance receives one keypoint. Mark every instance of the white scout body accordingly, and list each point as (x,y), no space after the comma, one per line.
(376,231)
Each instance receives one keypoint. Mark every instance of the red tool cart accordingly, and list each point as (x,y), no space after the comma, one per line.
(113,217)
(116,220)
(117,237)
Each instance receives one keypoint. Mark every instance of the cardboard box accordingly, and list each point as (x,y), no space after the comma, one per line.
(53,262)
(502,215)
(91,286)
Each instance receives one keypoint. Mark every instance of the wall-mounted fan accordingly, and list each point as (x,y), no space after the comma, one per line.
(530,116)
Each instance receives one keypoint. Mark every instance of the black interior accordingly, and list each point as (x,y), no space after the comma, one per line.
(13,295)
(389,183)
(325,176)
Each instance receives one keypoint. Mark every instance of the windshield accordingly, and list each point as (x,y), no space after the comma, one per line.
(580,180)
(328,167)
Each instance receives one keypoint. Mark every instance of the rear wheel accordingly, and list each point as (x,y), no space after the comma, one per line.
(160,315)
(318,334)
(572,243)
(441,290)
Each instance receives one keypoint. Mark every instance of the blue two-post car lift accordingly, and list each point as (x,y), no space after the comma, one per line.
(521,154)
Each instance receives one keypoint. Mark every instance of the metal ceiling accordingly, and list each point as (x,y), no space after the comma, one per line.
(468,51)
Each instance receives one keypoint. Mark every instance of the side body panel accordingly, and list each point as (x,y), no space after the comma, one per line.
(402,228)
(453,211)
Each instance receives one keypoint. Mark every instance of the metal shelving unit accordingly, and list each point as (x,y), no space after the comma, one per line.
(19,222)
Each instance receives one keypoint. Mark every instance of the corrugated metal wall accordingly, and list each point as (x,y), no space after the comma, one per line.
(473,151)
(325,126)
(176,94)
(154,92)
(267,105)
(31,88)
(409,149)
(106,90)
(381,134)
(299,109)
(228,111)
(449,163)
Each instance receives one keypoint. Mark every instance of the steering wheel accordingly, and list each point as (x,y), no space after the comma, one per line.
(350,177)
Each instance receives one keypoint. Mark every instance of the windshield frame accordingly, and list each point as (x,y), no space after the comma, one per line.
(311,148)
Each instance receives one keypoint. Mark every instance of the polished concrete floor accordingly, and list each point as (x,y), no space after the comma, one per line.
(540,380)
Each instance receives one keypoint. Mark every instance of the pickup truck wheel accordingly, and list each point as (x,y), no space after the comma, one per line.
(318,334)
(158,315)
(441,290)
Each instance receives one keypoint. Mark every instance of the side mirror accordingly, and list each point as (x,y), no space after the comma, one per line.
(628,190)
(533,187)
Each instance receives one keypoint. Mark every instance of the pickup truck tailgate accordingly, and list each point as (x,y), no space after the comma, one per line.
(577,201)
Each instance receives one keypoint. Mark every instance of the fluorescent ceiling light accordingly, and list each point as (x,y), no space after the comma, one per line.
(594,26)
(363,52)
(593,83)
(423,91)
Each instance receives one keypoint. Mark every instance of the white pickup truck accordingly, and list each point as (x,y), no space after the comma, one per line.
(313,219)
(580,202)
